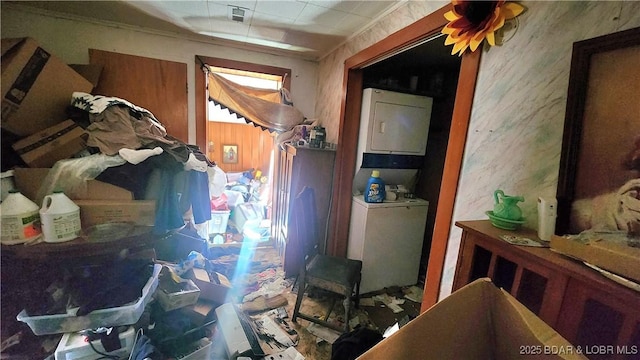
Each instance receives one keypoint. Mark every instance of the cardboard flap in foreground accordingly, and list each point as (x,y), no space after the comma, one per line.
(476,322)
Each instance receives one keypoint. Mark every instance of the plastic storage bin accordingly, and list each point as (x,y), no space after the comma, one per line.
(65,323)
(218,222)
(176,300)
(247,214)
(73,346)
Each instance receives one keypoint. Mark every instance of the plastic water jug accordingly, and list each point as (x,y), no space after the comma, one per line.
(20,219)
(375,192)
(60,218)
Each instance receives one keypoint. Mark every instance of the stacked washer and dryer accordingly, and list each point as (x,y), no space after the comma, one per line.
(388,236)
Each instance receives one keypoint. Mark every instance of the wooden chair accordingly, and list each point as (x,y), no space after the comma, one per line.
(337,275)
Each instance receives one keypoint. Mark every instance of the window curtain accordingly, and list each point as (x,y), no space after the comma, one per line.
(269,109)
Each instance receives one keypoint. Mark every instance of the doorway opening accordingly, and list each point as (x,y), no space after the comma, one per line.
(243,152)
(423,29)
(426,69)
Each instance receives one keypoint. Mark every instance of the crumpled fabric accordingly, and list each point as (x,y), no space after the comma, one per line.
(144,349)
(612,211)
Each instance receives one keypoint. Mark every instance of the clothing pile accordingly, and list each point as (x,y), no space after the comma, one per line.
(128,147)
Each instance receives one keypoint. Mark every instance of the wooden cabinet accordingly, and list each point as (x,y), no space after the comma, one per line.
(297,167)
(588,309)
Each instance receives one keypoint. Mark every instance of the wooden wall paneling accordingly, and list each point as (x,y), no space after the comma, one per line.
(254,146)
(159,86)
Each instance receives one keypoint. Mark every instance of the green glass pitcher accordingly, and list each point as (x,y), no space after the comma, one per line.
(506,206)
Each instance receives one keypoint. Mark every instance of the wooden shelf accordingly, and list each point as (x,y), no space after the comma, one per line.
(582,305)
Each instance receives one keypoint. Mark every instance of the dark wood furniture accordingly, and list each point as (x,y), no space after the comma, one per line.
(585,307)
(297,167)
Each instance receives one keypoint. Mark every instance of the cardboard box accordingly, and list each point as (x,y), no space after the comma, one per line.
(210,289)
(173,295)
(29,181)
(614,256)
(36,87)
(95,212)
(479,321)
(91,72)
(43,149)
(199,313)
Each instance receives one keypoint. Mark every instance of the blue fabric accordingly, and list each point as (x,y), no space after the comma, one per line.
(199,196)
(144,349)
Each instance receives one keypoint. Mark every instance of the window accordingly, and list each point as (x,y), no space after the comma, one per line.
(247,78)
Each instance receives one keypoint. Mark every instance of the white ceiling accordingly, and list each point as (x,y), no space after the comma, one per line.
(307,28)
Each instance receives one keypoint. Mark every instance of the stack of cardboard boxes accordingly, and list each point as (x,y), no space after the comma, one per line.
(37,88)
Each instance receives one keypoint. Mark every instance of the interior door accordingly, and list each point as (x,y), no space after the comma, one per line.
(159,86)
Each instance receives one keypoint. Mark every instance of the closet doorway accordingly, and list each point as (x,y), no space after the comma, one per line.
(421,30)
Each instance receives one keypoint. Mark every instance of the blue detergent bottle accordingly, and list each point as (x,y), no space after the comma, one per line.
(374,193)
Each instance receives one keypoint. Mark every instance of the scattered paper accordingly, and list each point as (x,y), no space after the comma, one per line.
(269,327)
(414,294)
(390,330)
(383,298)
(523,241)
(324,333)
(290,354)
(395,308)
(391,302)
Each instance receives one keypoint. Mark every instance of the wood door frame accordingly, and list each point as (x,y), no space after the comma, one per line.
(201,87)
(349,126)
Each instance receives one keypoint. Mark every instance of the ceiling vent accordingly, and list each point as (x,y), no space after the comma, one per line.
(236,13)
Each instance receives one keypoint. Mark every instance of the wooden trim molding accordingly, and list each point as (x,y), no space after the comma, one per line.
(348,137)
(451,176)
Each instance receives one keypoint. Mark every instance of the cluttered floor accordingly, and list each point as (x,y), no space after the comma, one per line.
(269,294)
(256,286)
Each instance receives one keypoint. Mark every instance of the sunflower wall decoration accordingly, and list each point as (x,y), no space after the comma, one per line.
(470,22)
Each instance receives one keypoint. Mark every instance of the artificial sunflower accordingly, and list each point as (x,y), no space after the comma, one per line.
(470,22)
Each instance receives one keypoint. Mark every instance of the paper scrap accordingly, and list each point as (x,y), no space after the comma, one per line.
(395,308)
(324,333)
(519,240)
(391,302)
(390,330)
(290,354)
(414,294)
(268,326)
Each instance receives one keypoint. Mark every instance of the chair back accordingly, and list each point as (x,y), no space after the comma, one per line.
(305,223)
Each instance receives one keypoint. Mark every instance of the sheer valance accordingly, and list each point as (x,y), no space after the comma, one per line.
(267,109)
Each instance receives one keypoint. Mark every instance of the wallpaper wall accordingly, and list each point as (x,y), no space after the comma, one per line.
(519,104)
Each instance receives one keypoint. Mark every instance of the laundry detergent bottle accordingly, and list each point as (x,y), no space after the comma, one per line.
(374,193)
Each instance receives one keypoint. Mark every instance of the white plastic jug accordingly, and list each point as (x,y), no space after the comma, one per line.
(60,218)
(20,219)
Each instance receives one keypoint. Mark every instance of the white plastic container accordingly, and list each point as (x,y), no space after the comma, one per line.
(60,218)
(20,219)
(218,222)
(7,183)
(73,346)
